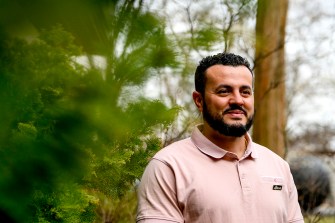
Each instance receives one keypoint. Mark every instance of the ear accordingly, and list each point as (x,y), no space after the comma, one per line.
(198,100)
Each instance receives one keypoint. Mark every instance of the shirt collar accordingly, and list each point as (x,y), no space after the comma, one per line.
(210,149)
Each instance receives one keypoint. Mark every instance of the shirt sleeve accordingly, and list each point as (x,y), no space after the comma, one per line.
(294,211)
(157,197)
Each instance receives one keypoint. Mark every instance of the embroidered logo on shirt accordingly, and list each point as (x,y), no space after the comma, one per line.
(277,187)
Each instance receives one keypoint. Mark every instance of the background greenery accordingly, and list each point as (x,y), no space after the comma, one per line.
(71,148)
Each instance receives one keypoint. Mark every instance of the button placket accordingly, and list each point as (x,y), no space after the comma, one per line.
(243,177)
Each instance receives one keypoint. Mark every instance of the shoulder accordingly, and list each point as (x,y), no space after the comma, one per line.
(179,156)
(175,150)
(264,151)
(267,155)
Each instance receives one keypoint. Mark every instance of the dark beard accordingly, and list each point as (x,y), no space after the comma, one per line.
(218,124)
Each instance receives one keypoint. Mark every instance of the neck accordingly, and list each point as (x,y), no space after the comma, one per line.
(237,145)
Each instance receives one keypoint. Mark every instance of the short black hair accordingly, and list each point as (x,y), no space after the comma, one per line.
(228,59)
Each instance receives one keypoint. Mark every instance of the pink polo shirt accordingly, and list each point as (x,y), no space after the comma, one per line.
(195,181)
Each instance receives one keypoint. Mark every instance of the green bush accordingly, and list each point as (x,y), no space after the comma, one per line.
(68,144)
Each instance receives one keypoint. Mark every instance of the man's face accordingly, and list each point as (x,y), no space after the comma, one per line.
(228,102)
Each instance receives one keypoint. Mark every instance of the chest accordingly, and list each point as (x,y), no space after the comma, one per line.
(232,189)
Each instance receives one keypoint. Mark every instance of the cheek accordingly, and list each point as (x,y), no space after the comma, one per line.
(217,104)
(249,105)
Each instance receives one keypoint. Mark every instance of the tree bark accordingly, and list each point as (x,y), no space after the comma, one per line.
(270,105)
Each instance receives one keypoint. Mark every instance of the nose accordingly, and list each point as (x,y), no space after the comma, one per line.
(236,98)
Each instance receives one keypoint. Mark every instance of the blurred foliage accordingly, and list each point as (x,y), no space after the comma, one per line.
(67,142)
(319,219)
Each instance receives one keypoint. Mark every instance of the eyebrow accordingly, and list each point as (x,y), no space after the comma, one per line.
(229,86)
(246,87)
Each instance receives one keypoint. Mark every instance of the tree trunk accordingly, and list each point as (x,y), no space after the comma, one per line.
(270,106)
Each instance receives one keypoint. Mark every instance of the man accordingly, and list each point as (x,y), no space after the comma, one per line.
(218,174)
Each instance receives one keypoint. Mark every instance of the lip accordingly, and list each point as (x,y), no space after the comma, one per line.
(235,115)
(236,112)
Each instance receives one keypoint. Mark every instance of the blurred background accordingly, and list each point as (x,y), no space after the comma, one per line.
(91,89)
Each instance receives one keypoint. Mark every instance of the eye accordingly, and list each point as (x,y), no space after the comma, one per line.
(223,92)
(246,92)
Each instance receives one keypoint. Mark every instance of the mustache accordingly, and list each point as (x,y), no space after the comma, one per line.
(235,107)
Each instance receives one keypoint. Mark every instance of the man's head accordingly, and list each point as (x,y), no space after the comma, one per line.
(227,59)
(224,93)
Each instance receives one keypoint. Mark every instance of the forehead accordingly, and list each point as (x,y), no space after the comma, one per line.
(222,74)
